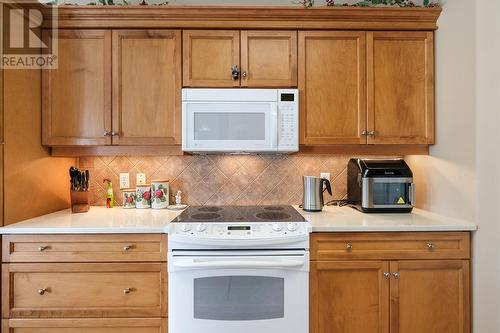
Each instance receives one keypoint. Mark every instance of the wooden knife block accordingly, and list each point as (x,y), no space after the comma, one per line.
(80,201)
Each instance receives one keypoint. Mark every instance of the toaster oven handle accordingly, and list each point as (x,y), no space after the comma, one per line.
(411,189)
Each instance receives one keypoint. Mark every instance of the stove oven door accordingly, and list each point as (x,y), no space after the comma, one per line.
(239,292)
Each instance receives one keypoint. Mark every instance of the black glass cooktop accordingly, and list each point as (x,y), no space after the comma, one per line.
(239,214)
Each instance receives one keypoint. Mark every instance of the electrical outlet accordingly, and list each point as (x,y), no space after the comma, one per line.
(124,180)
(141,179)
(325,175)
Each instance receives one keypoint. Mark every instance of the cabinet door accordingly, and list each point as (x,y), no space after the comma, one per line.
(430,296)
(332,87)
(350,296)
(269,59)
(208,56)
(146,87)
(400,87)
(76,97)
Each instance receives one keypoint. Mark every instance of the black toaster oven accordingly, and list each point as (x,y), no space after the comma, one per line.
(380,186)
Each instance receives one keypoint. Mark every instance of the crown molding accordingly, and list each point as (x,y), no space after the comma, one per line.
(216,17)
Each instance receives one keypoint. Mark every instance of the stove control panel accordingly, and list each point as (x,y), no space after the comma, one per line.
(240,230)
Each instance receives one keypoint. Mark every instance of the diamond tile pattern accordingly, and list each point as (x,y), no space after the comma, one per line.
(221,179)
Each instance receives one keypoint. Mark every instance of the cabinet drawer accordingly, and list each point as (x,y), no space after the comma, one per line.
(84,290)
(84,248)
(437,245)
(121,325)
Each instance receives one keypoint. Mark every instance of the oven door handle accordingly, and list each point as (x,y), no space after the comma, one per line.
(239,264)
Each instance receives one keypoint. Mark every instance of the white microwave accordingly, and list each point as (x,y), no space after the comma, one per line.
(240,120)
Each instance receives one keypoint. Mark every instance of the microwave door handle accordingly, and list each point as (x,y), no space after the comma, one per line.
(275,126)
(239,264)
(411,188)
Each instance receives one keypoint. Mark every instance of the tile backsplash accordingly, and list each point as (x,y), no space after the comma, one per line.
(221,179)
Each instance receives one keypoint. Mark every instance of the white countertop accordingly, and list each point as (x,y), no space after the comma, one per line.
(331,219)
(347,219)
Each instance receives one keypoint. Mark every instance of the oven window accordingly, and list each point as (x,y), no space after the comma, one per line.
(239,298)
(390,194)
(229,126)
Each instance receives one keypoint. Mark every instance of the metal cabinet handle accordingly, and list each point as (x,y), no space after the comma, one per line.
(364,133)
(127,291)
(348,247)
(371,133)
(106,133)
(396,275)
(113,133)
(244,74)
(235,73)
(430,246)
(43,248)
(387,275)
(128,247)
(42,291)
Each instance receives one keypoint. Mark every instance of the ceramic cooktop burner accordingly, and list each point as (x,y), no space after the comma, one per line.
(239,214)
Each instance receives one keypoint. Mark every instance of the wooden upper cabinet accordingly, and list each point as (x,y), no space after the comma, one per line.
(332,87)
(76,97)
(269,59)
(430,296)
(146,87)
(349,297)
(400,87)
(208,56)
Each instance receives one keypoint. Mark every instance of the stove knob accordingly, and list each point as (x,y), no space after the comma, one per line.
(201,227)
(185,227)
(291,226)
(277,227)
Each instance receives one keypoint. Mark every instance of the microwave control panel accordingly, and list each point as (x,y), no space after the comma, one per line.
(288,120)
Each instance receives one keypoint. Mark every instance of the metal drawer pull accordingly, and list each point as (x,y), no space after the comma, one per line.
(43,248)
(42,291)
(430,246)
(128,290)
(396,275)
(348,247)
(387,275)
(128,247)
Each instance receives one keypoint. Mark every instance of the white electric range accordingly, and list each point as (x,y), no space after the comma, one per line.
(239,269)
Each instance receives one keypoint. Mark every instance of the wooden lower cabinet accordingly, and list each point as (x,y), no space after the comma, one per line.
(84,283)
(372,286)
(119,325)
(349,297)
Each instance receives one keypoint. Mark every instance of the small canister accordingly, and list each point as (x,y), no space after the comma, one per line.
(160,194)
(128,198)
(143,196)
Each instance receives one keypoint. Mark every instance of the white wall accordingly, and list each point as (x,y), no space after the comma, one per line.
(486,243)
(446,178)
(459,178)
